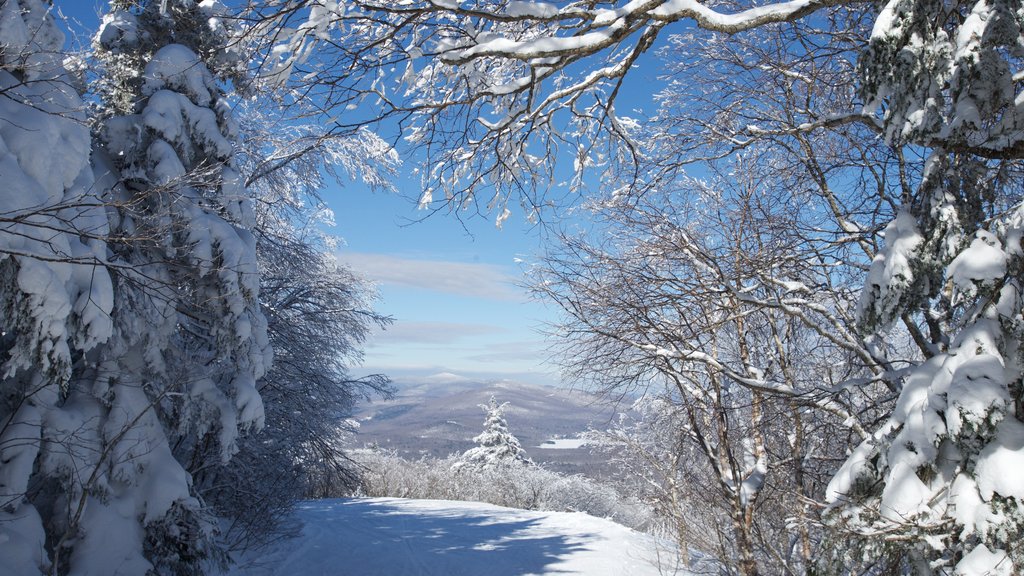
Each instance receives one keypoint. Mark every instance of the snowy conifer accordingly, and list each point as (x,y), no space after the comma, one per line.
(496,445)
(937,485)
(181,192)
(177,375)
(55,294)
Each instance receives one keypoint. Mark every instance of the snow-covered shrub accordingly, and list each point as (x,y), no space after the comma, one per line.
(604,500)
(516,485)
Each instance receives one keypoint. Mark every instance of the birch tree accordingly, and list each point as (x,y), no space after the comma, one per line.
(499,97)
(702,293)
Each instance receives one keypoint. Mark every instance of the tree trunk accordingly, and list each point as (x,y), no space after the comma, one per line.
(744,541)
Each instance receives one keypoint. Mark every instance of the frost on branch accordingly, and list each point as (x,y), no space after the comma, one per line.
(525,82)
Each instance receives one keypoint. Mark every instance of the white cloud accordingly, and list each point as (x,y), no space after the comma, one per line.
(431,332)
(461,278)
(526,352)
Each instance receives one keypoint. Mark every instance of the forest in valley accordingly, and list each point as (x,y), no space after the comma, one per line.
(804,262)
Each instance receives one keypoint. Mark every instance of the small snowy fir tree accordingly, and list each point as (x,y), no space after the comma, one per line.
(496,445)
(938,487)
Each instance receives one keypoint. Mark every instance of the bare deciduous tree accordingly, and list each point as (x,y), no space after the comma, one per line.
(704,292)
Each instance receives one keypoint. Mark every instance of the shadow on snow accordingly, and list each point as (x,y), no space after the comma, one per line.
(368,537)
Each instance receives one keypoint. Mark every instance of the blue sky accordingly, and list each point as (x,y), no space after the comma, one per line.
(450,285)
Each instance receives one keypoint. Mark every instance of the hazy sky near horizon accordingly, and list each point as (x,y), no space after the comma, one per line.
(453,287)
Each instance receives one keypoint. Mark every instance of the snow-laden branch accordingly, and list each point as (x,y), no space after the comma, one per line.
(606,27)
(829,121)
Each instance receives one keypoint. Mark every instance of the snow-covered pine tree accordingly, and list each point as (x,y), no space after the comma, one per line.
(318,315)
(166,396)
(496,445)
(55,293)
(938,486)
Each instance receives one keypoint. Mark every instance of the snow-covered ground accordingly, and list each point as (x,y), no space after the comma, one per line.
(563,444)
(395,537)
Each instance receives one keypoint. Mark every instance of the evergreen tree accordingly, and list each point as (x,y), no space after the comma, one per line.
(936,487)
(55,293)
(178,374)
(318,316)
(496,445)
(134,335)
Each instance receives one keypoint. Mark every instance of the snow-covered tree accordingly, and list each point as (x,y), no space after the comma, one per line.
(710,302)
(101,351)
(496,445)
(318,314)
(55,292)
(134,338)
(934,484)
(178,372)
(532,86)
(527,80)
(657,463)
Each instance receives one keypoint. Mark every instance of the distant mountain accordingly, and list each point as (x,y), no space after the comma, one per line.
(439,415)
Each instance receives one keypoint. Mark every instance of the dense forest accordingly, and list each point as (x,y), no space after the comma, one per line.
(808,257)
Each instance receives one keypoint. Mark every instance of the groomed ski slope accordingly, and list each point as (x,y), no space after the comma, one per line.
(395,537)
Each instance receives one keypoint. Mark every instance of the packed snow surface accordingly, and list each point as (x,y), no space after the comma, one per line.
(390,536)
